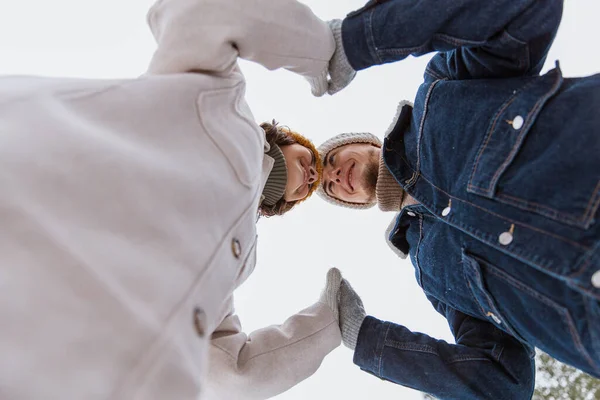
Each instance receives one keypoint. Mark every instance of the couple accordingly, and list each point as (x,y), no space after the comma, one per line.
(130,262)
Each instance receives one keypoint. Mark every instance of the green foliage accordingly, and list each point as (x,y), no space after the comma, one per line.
(557,381)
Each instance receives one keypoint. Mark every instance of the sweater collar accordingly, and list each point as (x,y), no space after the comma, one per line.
(274,188)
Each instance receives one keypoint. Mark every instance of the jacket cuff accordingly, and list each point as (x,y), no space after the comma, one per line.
(370,343)
(359,50)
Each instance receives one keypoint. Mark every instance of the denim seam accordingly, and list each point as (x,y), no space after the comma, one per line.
(421,125)
(575,244)
(483,312)
(431,350)
(589,329)
(520,285)
(491,306)
(490,133)
(524,131)
(486,142)
(417,252)
(463,359)
(591,209)
(457,41)
(405,51)
(371,36)
(421,348)
(383,348)
(582,221)
(586,260)
(561,310)
(434,74)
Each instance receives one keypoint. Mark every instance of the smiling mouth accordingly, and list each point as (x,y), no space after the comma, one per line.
(350,176)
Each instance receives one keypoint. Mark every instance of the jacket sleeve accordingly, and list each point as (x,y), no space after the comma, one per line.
(485,363)
(476,39)
(209,35)
(271,360)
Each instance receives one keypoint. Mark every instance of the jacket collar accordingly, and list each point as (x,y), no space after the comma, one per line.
(398,125)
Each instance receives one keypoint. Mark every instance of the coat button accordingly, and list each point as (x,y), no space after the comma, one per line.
(505,238)
(446,211)
(199,317)
(411,214)
(596,279)
(236,248)
(517,122)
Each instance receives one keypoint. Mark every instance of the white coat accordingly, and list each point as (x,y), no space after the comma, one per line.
(128,212)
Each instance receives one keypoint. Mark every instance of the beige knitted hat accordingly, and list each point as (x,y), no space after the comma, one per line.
(333,143)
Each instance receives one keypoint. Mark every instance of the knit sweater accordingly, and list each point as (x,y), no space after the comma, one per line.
(390,195)
(275,187)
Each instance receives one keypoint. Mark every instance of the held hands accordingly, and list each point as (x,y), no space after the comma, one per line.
(352,313)
(340,71)
(346,306)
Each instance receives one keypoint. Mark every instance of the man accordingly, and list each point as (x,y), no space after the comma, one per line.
(495,172)
(128,212)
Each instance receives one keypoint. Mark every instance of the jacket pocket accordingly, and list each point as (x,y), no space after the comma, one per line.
(228,121)
(370,4)
(519,309)
(542,166)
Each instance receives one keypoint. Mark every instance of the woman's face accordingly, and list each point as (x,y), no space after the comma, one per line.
(302,171)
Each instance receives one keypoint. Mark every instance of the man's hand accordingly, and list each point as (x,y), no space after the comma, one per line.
(331,292)
(340,71)
(352,314)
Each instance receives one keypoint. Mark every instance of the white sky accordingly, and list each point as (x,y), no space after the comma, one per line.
(110,39)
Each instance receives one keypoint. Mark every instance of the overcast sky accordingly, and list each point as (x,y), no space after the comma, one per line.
(110,39)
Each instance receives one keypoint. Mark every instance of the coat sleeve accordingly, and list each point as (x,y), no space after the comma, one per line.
(485,362)
(271,360)
(474,39)
(209,35)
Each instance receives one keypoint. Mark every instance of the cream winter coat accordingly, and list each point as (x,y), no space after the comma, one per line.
(128,212)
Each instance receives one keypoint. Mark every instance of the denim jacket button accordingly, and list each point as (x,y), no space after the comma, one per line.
(493,316)
(505,238)
(517,122)
(596,279)
(411,214)
(446,211)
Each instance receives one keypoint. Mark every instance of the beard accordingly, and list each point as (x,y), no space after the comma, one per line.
(371,174)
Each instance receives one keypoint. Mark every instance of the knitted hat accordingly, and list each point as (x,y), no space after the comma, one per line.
(341,140)
(318,161)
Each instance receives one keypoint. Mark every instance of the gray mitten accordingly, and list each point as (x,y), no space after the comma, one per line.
(330,293)
(352,314)
(318,84)
(341,72)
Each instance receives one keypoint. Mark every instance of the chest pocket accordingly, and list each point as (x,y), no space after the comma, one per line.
(228,121)
(533,157)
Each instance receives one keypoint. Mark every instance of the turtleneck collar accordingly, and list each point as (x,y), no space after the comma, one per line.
(390,195)
(275,186)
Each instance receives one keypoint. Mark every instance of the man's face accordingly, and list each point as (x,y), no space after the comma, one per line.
(350,172)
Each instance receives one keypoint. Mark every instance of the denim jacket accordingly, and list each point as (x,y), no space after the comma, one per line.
(505,165)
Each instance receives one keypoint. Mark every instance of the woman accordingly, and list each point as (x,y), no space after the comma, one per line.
(128,214)
(296,170)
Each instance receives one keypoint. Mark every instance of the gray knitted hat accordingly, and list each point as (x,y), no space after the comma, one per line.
(333,143)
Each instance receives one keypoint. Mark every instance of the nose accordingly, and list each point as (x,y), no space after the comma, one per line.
(312,175)
(333,174)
